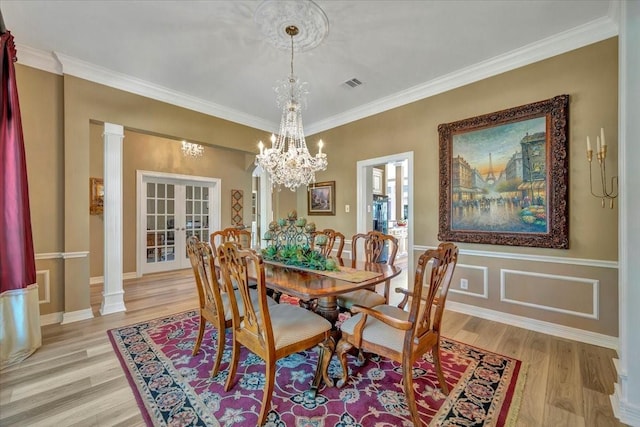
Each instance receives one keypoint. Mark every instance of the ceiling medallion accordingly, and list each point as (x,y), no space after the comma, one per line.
(273,16)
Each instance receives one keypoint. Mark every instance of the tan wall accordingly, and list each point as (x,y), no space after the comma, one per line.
(42,126)
(158,154)
(589,76)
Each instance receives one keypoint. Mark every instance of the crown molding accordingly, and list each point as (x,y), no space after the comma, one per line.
(584,35)
(592,32)
(39,59)
(104,76)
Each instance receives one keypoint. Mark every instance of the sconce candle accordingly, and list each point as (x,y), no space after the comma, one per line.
(606,192)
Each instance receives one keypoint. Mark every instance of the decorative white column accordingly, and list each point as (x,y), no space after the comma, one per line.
(112,294)
(265,197)
(626,398)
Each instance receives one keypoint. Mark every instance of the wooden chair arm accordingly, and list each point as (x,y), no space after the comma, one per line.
(391,321)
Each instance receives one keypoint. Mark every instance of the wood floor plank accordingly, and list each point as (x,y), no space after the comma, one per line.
(535,353)
(595,368)
(598,410)
(76,380)
(564,374)
(555,416)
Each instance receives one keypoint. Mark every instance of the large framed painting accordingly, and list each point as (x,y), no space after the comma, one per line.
(321,199)
(504,177)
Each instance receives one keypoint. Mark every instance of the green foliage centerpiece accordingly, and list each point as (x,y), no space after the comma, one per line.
(289,242)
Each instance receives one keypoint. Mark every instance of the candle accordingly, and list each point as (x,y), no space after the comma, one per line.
(598,144)
(602,137)
(261,147)
(320,144)
(588,145)
(273,139)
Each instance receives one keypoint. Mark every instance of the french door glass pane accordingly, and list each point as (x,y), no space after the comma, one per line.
(160,218)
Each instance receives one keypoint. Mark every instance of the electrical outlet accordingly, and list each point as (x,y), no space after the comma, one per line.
(347,208)
(464,284)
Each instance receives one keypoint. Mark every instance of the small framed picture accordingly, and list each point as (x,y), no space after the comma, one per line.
(321,198)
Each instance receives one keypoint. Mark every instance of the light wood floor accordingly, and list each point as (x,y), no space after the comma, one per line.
(75,379)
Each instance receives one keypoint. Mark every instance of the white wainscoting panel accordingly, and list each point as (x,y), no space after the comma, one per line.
(485,281)
(46,286)
(593,284)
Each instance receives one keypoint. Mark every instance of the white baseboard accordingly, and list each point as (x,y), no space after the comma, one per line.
(50,319)
(76,316)
(100,279)
(626,413)
(536,325)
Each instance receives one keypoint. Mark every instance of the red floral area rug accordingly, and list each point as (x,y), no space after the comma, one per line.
(174,389)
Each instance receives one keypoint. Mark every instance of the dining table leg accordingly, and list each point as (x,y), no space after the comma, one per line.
(328,308)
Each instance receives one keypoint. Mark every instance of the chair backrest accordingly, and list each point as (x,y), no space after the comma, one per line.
(431,295)
(202,262)
(333,238)
(374,243)
(231,234)
(236,263)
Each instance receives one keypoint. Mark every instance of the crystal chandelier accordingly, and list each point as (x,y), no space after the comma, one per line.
(191,149)
(288,161)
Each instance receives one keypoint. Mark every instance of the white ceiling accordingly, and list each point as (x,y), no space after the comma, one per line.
(210,56)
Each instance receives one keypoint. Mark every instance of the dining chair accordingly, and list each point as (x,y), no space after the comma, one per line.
(271,332)
(240,235)
(214,302)
(372,246)
(333,238)
(404,336)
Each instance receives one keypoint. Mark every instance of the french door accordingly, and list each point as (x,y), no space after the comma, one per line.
(173,208)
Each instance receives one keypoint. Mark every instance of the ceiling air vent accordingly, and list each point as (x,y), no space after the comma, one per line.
(353,82)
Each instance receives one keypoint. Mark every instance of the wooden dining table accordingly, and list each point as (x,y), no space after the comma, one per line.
(309,285)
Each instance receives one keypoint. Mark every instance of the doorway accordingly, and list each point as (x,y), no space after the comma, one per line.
(368,185)
(171,208)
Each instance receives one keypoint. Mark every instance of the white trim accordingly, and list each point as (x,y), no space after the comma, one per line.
(70,255)
(36,58)
(531,258)
(589,33)
(112,295)
(50,319)
(561,331)
(485,282)
(76,316)
(595,286)
(46,285)
(215,206)
(48,255)
(628,413)
(104,76)
(97,280)
(363,194)
(112,303)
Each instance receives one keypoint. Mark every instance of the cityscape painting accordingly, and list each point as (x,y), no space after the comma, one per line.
(504,177)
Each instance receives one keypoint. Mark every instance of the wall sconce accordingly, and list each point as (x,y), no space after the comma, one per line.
(611,192)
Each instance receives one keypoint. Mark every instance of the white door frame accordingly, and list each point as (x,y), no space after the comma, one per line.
(265,197)
(365,191)
(214,206)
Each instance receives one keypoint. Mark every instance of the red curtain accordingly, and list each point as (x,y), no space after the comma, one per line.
(17,263)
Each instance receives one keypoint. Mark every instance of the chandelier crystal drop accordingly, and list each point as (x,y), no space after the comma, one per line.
(191,149)
(288,161)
